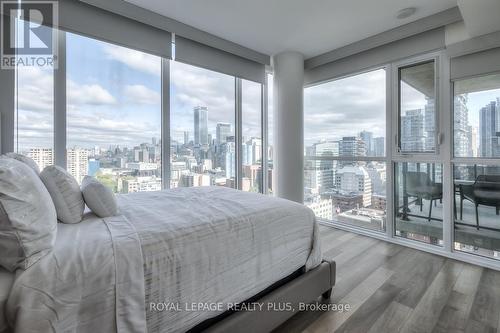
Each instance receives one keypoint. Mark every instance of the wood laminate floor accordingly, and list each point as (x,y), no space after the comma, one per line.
(392,288)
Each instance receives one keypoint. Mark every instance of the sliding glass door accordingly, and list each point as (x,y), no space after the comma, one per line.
(476,167)
(418,172)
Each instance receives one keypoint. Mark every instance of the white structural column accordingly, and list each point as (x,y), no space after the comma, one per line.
(288,96)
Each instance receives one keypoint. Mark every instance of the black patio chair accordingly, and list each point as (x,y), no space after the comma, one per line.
(420,186)
(485,191)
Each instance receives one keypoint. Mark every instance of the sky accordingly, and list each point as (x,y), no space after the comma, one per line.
(114,98)
(477,100)
(350,105)
(345,107)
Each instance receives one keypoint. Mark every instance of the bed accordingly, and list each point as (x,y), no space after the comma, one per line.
(174,261)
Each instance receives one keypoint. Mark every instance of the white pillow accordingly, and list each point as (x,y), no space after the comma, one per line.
(99,198)
(65,193)
(28,220)
(26,160)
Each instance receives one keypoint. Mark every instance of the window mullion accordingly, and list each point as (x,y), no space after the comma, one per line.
(60,103)
(265,139)
(389,148)
(444,144)
(165,123)
(238,134)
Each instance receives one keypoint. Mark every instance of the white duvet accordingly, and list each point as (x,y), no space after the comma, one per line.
(189,246)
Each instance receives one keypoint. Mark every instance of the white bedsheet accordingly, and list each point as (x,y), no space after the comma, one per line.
(198,245)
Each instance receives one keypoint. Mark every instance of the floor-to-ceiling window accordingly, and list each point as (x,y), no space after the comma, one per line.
(345,167)
(251,136)
(34,113)
(202,127)
(418,174)
(476,168)
(113,114)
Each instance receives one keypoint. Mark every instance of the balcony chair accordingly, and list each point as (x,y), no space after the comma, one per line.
(485,191)
(420,186)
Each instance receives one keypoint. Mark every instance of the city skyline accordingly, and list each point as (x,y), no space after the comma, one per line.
(114,96)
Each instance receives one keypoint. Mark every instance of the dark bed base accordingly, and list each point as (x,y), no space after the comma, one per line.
(299,287)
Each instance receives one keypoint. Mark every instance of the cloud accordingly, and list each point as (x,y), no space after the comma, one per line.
(139,94)
(192,86)
(91,94)
(345,107)
(96,116)
(88,129)
(137,60)
(35,89)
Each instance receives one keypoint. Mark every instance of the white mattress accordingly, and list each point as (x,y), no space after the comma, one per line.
(6,281)
(199,245)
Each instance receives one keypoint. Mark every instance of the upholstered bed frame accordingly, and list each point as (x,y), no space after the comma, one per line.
(299,287)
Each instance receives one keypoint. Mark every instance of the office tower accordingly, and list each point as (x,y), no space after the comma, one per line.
(42,156)
(378,177)
(230,160)
(256,144)
(310,175)
(354,180)
(186,137)
(246,153)
(352,146)
(252,173)
(488,136)
(412,131)
(153,141)
(201,125)
(325,169)
(379,146)
(223,130)
(367,138)
(251,151)
(430,125)
(77,163)
(144,155)
(462,130)
(137,155)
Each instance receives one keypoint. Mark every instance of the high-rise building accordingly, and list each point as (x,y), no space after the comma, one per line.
(201,125)
(412,131)
(324,170)
(251,151)
(473,141)
(430,125)
(462,130)
(42,156)
(186,137)
(223,130)
(354,180)
(230,154)
(77,163)
(352,146)
(322,208)
(488,133)
(367,138)
(379,146)
(252,173)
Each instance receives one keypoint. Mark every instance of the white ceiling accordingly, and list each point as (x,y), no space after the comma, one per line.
(311,27)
